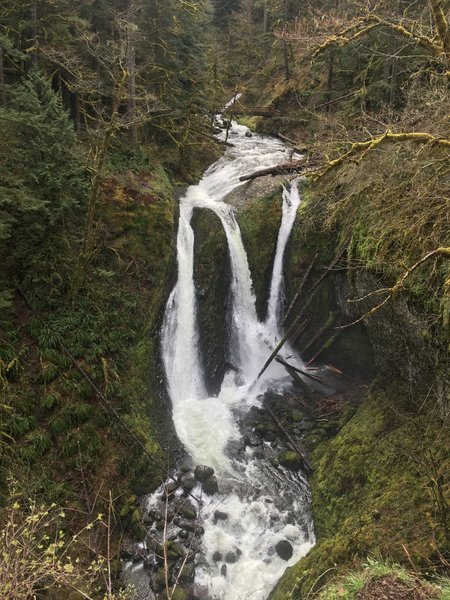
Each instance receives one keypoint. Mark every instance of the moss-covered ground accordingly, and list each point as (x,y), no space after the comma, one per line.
(380,488)
(66,447)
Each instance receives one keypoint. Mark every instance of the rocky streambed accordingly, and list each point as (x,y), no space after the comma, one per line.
(276,438)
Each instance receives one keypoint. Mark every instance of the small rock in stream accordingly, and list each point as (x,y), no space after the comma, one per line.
(252,440)
(223,570)
(217,556)
(230,557)
(220,516)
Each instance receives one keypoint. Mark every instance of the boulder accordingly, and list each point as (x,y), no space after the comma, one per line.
(187,482)
(284,549)
(187,574)
(210,486)
(188,512)
(290,460)
(203,472)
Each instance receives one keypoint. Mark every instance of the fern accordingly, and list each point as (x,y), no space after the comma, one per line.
(49,401)
(48,374)
(61,422)
(18,425)
(37,443)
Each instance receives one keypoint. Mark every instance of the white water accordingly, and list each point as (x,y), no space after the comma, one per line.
(291,202)
(260,507)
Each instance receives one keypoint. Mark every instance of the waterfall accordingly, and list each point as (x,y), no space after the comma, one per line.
(258,509)
(291,202)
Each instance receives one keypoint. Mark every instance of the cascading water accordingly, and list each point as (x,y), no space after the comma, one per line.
(261,507)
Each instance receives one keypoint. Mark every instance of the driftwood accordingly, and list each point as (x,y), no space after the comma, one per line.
(325,346)
(284,138)
(281,343)
(288,167)
(300,451)
(312,293)
(304,373)
(328,323)
(301,384)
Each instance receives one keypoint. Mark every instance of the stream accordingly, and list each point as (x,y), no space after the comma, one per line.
(252,520)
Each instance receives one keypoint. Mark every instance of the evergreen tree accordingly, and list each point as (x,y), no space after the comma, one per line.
(42,187)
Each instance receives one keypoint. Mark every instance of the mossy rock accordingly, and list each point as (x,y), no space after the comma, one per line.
(290,460)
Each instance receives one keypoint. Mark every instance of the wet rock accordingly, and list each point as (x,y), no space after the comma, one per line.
(306,425)
(284,550)
(210,486)
(139,553)
(177,593)
(187,574)
(248,134)
(220,516)
(223,570)
(203,472)
(252,440)
(231,558)
(217,556)
(290,460)
(187,482)
(126,552)
(297,415)
(159,580)
(188,525)
(199,531)
(170,489)
(188,512)
(175,550)
(183,534)
(150,563)
(265,431)
(185,468)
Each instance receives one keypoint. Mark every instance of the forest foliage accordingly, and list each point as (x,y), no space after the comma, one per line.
(104,106)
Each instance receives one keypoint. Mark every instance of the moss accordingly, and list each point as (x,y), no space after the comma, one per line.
(211,276)
(373,491)
(259,225)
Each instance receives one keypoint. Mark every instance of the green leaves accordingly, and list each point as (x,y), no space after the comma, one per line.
(42,186)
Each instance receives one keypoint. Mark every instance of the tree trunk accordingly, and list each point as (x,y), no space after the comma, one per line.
(287,74)
(2,79)
(34,20)
(442,25)
(330,78)
(131,67)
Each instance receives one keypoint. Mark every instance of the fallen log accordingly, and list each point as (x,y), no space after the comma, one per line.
(296,447)
(284,138)
(289,167)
